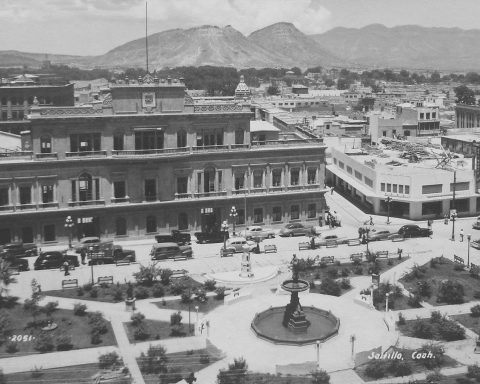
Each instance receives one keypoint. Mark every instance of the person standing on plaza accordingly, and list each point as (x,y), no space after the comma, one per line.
(371,221)
(461,234)
(66,267)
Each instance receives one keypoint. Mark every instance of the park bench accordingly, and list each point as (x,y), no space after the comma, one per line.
(458,260)
(179,273)
(270,248)
(397,238)
(226,252)
(356,256)
(352,242)
(331,243)
(122,262)
(304,245)
(105,280)
(71,267)
(71,283)
(327,259)
(382,255)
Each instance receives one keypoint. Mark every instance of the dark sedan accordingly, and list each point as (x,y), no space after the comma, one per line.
(54,259)
(414,231)
(15,262)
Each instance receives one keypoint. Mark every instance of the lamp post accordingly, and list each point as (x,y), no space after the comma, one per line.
(233,215)
(189,302)
(469,237)
(90,252)
(318,354)
(453,217)
(352,340)
(69,225)
(225,229)
(388,201)
(386,302)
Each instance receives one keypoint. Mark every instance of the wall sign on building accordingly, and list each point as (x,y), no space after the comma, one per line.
(148,99)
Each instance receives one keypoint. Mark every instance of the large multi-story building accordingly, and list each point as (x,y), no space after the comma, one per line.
(150,158)
(467,116)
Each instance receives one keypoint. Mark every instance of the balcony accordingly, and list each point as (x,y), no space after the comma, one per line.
(120,200)
(210,148)
(276,188)
(6,207)
(47,156)
(86,154)
(85,203)
(52,204)
(26,206)
(182,196)
(257,190)
(150,152)
(198,195)
(25,155)
(241,191)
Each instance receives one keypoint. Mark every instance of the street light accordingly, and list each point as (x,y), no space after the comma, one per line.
(318,354)
(233,215)
(469,237)
(453,217)
(386,303)
(352,340)
(388,200)
(69,225)
(90,252)
(196,309)
(224,229)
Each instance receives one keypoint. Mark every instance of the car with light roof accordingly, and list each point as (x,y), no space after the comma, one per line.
(295,229)
(258,232)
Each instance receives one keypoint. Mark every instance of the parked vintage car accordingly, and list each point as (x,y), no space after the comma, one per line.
(85,242)
(412,230)
(164,251)
(258,232)
(295,229)
(54,259)
(211,237)
(476,224)
(106,252)
(176,236)
(19,249)
(15,262)
(236,244)
(379,235)
(475,244)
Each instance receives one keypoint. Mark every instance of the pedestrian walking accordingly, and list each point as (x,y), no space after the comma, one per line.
(399,251)
(360,232)
(371,221)
(461,234)
(83,255)
(312,242)
(66,267)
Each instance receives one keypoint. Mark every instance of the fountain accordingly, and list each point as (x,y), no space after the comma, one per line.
(294,324)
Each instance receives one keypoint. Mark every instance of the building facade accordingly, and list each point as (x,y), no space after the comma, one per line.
(467,116)
(150,159)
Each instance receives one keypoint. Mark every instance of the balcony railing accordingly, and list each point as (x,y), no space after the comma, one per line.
(26,206)
(208,148)
(209,194)
(17,154)
(258,190)
(43,156)
(86,154)
(149,152)
(86,202)
(181,196)
(119,200)
(52,204)
(6,207)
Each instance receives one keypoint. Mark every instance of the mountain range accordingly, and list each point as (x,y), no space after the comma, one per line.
(284,45)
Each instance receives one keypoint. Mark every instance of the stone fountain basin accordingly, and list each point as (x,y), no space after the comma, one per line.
(268,326)
(295,285)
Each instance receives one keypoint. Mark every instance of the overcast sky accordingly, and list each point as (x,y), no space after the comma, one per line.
(92,27)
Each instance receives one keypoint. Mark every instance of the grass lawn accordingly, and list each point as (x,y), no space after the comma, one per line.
(117,292)
(415,365)
(76,327)
(157,330)
(73,374)
(210,304)
(444,270)
(468,321)
(181,364)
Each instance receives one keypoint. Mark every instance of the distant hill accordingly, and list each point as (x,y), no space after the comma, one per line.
(283,45)
(407,46)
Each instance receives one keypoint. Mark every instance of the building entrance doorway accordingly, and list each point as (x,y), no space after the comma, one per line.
(27,235)
(87,227)
(210,219)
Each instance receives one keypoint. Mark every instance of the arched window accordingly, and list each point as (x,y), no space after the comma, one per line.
(181,139)
(120,226)
(151,224)
(45,144)
(85,187)
(182,221)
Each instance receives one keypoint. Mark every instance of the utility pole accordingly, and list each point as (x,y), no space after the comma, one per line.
(454,213)
(146,32)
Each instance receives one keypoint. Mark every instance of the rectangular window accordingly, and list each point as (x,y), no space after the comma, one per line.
(382,187)
(47,194)
(85,142)
(241,216)
(358,175)
(257,179)
(349,169)
(368,181)
(74,190)
(312,176)
(407,189)
(239,181)
(433,188)
(428,116)
(341,164)
(294,176)
(119,190)
(276,178)
(434,115)
(25,195)
(432,208)
(152,139)
(389,187)
(312,211)
(239,135)
(182,185)
(4,199)
(334,160)
(258,215)
(464,186)
(394,188)
(220,180)
(384,133)
(400,188)
(49,232)
(118,143)
(150,190)
(294,212)
(277,214)
(422,116)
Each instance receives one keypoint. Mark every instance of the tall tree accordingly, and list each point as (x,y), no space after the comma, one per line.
(464,95)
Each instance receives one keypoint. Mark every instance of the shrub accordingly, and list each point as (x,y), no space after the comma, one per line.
(204,358)
(140,332)
(345,284)
(356,262)
(476,294)
(80,291)
(330,287)
(36,372)
(401,319)
(155,361)
(473,371)
(436,317)
(11,346)
(109,360)
(322,265)
(87,287)
(475,311)
(389,262)
(433,262)
(201,295)
(177,288)
(219,293)
(137,318)
(44,342)
(94,293)
(5,323)
(117,293)
(400,368)
(95,337)
(434,377)
(414,301)
(424,288)
(147,274)
(97,322)
(437,351)
(176,318)
(320,377)
(141,293)
(79,309)
(376,369)
(358,270)
(165,275)
(450,292)
(209,285)
(422,329)
(332,273)
(186,297)
(345,272)
(450,331)
(158,291)
(459,267)
(64,342)
(337,263)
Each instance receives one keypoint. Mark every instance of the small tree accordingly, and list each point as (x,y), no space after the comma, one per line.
(165,275)
(147,274)
(155,361)
(6,278)
(109,361)
(176,325)
(475,311)
(450,292)
(5,323)
(235,374)
(320,377)
(49,309)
